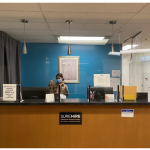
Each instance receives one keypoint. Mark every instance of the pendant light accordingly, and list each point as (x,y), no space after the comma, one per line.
(24,46)
(112,52)
(69,47)
(119,37)
(112,22)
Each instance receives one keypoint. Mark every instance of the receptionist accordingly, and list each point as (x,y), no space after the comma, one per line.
(54,87)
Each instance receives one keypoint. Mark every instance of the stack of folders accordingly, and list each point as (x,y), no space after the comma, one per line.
(130,92)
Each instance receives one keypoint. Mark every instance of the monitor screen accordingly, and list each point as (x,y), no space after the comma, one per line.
(33,92)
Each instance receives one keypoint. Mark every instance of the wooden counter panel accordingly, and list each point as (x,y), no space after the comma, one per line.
(37,126)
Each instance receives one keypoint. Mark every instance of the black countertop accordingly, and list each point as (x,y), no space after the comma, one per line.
(74,102)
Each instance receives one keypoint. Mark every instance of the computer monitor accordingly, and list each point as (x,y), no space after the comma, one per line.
(98,93)
(33,92)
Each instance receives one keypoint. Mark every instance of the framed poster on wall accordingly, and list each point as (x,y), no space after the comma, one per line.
(69,67)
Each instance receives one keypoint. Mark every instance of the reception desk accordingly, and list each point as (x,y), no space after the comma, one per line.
(35,124)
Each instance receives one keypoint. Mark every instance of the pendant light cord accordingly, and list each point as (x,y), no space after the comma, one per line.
(69,33)
(112,31)
(119,39)
(24,31)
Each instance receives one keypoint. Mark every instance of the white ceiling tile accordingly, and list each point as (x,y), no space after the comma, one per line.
(115,38)
(20,6)
(106,17)
(63,16)
(136,27)
(140,18)
(11,25)
(142,37)
(40,41)
(65,26)
(78,33)
(59,26)
(95,33)
(115,42)
(103,27)
(126,34)
(66,33)
(127,37)
(61,32)
(28,32)
(81,33)
(20,26)
(77,26)
(27,37)
(16,16)
(92,7)
(130,30)
(146,9)
(145,40)
(146,33)
(37,26)
(98,33)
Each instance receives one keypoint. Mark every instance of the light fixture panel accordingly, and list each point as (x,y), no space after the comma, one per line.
(74,38)
(128,47)
(86,42)
(114,53)
(135,51)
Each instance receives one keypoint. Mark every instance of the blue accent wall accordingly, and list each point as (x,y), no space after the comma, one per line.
(40,65)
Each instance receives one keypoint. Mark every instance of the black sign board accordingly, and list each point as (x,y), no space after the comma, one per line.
(70,118)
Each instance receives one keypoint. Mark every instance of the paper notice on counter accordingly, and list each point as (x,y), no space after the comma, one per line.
(49,98)
(102,80)
(9,92)
(115,73)
(109,98)
(114,82)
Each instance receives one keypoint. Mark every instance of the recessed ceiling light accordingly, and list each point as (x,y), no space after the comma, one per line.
(81,38)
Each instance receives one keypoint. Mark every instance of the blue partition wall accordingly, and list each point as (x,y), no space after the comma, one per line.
(40,64)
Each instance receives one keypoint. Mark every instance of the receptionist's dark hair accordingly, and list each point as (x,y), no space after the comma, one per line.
(61,75)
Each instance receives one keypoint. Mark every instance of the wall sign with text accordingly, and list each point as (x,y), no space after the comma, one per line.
(127,113)
(9,92)
(70,118)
